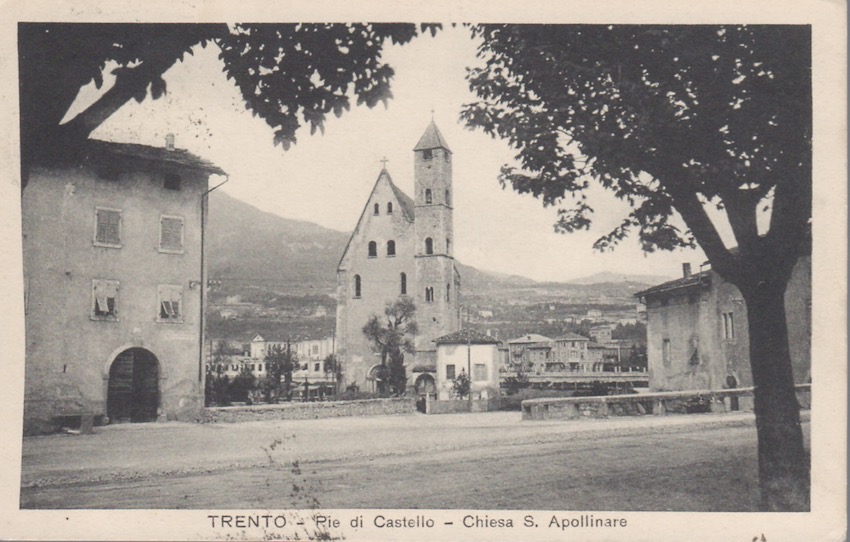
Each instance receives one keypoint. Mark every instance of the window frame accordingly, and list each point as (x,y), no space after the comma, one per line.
(358,286)
(391,248)
(377,209)
(109,317)
(372,249)
(161,289)
(168,250)
(453,371)
(429,246)
(107,244)
(403,280)
(429,197)
(389,207)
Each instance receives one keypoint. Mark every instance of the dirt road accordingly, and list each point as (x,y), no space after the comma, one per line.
(484,461)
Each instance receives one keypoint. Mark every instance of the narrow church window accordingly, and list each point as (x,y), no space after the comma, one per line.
(373,249)
(427,154)
(728,325)
(665,353)
(389,208)
(448,292)
(404,284)
(429,294)
(356,285)
(448,245)
(390,248)
(428,196)
(377,208)
(448,201)
(429,245)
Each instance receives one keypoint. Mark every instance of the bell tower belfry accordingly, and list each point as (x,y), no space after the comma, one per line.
(437,280)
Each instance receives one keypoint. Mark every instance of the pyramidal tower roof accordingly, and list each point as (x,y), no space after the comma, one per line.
(431,139)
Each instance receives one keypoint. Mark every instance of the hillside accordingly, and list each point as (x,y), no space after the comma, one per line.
(277,276)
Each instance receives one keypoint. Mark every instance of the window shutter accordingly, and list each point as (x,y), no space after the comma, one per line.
(108,226)
(171,233)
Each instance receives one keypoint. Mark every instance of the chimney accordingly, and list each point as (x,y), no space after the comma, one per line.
(169,142)
(686,270)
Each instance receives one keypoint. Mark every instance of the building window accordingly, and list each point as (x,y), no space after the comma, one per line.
(171,234)
(171,181)
(429,294)
(356,285)
(390,248)
(170,303)
(448,245)
(317,367)
(450,372)
(665,353)
(429,245)
(377,208)
(107,227)
(389,208)
(728,325)
(404,284)
(428,196)
(479,372)
(448,201)
(448,291)
(260,367)
(373,249)
(104,294)
(427,154)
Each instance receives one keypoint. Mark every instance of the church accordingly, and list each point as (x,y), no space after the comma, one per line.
(401,246)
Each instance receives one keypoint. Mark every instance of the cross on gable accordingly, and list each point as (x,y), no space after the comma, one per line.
(384,161)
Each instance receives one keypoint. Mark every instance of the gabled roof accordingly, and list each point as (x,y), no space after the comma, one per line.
(572,337)
(404,202)
(696,280)
(431,139)
(530,338)
(466,336)
(179,157)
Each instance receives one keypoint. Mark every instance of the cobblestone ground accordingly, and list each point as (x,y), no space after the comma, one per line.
(701,462)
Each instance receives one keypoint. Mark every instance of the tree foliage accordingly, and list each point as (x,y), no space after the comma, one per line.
(674,119)
(280,362)
(288,74)
(391,338)
(461,384)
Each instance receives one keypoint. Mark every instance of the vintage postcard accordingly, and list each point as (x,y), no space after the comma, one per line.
(437,271)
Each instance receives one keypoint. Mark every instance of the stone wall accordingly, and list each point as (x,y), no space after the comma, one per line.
(460,405)
(309,411)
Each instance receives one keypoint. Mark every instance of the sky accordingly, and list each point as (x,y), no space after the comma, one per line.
(327,178)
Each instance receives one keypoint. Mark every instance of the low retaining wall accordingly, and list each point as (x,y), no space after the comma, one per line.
(647,403)
(461,405)
(310,411)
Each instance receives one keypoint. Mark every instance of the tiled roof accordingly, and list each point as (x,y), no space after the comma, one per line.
(693,281)
(572,337)
(530,338)
(431,139)
(180,157)
(465,336)
(403,199)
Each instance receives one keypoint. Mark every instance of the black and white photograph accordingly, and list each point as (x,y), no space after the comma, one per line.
(570,273)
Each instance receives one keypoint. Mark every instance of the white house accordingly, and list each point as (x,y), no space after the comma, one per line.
(468,351)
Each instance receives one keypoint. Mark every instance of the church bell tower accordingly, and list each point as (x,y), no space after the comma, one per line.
(437,281)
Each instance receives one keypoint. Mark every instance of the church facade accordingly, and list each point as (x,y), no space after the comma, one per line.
(401,246)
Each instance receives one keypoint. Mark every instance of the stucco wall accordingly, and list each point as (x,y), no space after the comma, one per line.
(68,354)
(457,355)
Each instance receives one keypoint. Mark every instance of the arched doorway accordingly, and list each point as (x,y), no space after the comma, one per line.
(133,391)
(373,379)
(425,385)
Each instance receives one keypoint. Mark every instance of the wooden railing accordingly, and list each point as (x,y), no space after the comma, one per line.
(657,403)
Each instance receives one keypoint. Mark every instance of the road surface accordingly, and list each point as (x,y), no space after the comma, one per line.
(702,462)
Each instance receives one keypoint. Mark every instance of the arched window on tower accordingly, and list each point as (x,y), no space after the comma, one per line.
(428,196)
(427,154)
(390,248)
(373,249)
(429,245)
(377,208)
(448,291)
(448,201)
(356,285)
(429,294)
(389,208)
(404,284)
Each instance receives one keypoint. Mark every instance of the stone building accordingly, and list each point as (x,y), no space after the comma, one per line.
(401,247)
(697,335)
(114,285)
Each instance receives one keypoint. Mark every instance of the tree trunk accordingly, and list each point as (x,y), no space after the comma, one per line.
(784,465)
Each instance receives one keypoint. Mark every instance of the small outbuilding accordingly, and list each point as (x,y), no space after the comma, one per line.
(468,352)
